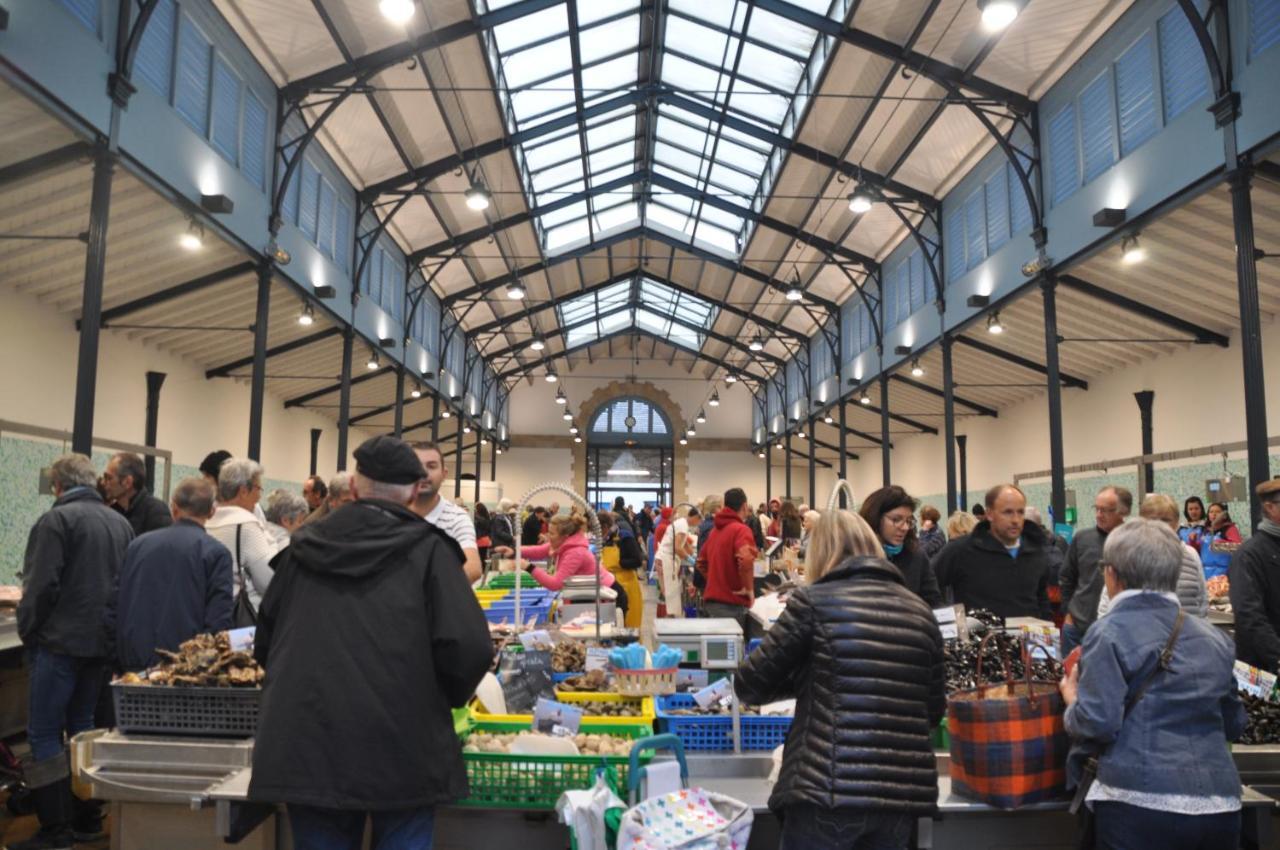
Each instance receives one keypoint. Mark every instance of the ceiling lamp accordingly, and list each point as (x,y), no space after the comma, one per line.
(478,196)
(761,455)
(1130,251)
(573,429)
(466,429)
(778,447)
(916,369)
(801,435)
(993,323)
(701,417)
(683,441)
(864,398)
(577,439)
(396,11)
(484,441)
(567,417)
(373,361)
(757,344)
(998,14)
(416,392)
(827,419)
(691,431)
(561,398)
(860,202)
(731,378)
(551,375)
(794,293)
(193,238)
(308,315)
(538,343)
(498,450)
(445,414)
(515,290)
(714,401)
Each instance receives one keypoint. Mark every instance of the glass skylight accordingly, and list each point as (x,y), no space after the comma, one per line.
(745,63)
(646,304)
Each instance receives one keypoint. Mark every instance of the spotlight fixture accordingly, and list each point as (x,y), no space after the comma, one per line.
(1131,252)
(761,455)
(827,419)
(217,204)
(714,401)
(1037,264)
(794,293)
(396,11)
(998,14)
(757,344)
(731,378)
(579,440)
(916,369)
(701,417)
(864,398)
(902,350)
(478,196)
(445,414)
(683,441)
(466,429)
(324,292)
(416,392)
(515,290)
(498,451)
(373,361)
(280,255)
(193,238)
(573,429)
(387,342)
(691,431)
(567,416)
(538,343)
(993,323)
(307,316)
(860,202)
(977,301)
(561,398)
(1109,217)
(551,376)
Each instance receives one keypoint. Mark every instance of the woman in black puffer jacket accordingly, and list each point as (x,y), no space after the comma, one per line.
(862,655)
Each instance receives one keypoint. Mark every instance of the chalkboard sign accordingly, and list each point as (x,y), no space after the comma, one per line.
(525,677)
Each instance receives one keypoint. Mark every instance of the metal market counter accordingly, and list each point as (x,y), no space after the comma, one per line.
(191,793)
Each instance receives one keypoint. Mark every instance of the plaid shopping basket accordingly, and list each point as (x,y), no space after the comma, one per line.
(1008,744)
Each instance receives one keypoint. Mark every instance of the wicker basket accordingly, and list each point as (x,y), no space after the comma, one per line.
(645,683)
(197,712)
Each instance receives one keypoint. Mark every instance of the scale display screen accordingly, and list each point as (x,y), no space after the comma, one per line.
(720,652)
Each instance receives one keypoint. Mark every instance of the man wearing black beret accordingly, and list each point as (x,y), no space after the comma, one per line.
(369,634)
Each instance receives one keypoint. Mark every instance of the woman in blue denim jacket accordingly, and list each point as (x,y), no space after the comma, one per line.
(1165,774)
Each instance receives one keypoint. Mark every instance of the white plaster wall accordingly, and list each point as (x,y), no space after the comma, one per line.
(197,415)
(521,469)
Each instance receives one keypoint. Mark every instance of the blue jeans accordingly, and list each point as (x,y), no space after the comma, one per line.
(814,828)
(1071,637)
(336,829)
(62,693)
(1124,827)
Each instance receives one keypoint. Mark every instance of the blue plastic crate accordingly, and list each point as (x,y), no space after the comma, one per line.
(753,643)
(714,733)
(538,612)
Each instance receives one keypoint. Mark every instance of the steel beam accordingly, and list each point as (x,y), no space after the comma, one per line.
(42,162)
(962,450)
(896,417)
(949,423)
(980,409)
(1058,485)
(91,300)
(345,381)
(1018,360)
(885,454)
(399,403)
(1201,334)
(258,380)
(344,400)
(176,291)
(225,370)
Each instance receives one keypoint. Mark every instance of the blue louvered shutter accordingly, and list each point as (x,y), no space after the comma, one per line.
(1062,153)
(373,276)
(253,140)
(904,291)
(153,63)
(1184,75)
(1136,94)
(324,225)
(1264,25)
(868,329)
(1019,205)
(889,309)
(953,243)
(392,283)
(289,209)
(1097,127)
(307,199)
(191,98)
(226,110)
(89,12)
(997,199)
(918,289)
(975,230)
(342,236)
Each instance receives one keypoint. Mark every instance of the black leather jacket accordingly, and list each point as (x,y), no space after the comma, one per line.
(862,654)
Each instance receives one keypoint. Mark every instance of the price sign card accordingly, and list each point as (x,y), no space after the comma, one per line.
(1045,637)
(530,640)
(1255,682)
(242,639)
(713,694)
(597,659)
(556,718)
(946,618)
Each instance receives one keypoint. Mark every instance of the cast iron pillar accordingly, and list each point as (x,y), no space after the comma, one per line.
(1146,400)
(493,460)
(787,461)
(258,381)
(155,380)
(949,423)
(315,449)
(399,423)
(479,460)
(768,470)
(1058,488)
(963,456)
(344,397)
(813,462)
(435,420)
(457,461)
(91,300)
(884,428)
(844,451)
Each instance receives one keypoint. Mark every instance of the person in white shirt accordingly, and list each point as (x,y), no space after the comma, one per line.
(236,525)
(678,544)
(440,512)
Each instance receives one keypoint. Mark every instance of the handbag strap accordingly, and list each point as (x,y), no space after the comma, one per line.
(239,563)
(1163,662)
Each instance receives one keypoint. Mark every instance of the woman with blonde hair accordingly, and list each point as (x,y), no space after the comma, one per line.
(959,524)
(855,772)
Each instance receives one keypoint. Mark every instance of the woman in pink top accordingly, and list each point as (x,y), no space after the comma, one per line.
(567,543)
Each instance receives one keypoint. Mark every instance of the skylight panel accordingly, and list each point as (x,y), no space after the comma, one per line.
(554,153)
(590,11)
(700,42)
(694,79)
(608,38)
(770,67)
(558,238)
(537,62)
(725,219)
(787,35)
(532,104)
(611,157)
(557,175)
(719,12)
(530,28)
(564,214)
(607,78)
(627,214)
(680,159)
(614,131)
(661,214)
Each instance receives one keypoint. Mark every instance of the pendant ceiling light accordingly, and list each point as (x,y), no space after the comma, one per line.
(396,11)
(998,14)
(308,315)
(916,369)
(515,290)
(561,398)
(373,361)
(1131,252)
(731,378)
(551,376)
(193,238)
(416,392)
(860,202)
(626,466)
(993,323)
(538,343)
(714,401)
(478,196)
(757,344)
(701,417)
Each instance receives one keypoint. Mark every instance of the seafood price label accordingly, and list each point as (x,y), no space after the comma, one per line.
(1255,682)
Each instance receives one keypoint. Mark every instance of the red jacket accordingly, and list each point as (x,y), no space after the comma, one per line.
(728,560)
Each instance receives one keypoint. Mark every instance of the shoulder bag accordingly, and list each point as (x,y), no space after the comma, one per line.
(1087,832)
(242,614)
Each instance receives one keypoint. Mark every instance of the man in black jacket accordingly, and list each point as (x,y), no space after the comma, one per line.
(369,633)
(531,531)
(1255,586)
(68,589)
(1002,565)
(175,582)
(125,485)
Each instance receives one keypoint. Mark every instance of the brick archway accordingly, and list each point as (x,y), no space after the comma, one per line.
(660,399)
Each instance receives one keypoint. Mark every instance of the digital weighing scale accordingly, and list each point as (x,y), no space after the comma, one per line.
(689,636)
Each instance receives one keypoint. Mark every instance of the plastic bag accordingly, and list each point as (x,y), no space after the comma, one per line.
(692,819)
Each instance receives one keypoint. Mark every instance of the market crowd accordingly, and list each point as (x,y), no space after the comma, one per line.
(365,578)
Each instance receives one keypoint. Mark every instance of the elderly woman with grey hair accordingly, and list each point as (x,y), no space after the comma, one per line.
(285,512)
(236,526)
(1152,705)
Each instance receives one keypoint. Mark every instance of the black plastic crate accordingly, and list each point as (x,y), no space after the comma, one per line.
(194,711)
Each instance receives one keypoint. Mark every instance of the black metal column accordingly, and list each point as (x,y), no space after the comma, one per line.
(787,460)
(813,462)
(768,471)
(844,451)
(493,461)
(949,422)
(1058,488)
(1146,400)
(479,460)
(315,449)
(258,380)
(1255,389)
(155,380)
(344,397)
(884,429)
(435,419)
(91,304)
(457,465)
(963,452)
(399,426)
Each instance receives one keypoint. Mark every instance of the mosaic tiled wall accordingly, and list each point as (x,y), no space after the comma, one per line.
(21,504)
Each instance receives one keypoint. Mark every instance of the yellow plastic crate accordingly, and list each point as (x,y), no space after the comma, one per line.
(648,712)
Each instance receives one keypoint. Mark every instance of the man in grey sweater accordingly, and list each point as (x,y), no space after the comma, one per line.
(1081,576)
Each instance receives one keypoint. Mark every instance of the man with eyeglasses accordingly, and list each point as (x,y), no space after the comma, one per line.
(1081,576)
(1255,586)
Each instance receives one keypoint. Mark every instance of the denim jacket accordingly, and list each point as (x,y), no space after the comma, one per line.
(1174,740)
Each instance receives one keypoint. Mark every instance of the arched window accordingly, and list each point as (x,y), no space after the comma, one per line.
(630,417)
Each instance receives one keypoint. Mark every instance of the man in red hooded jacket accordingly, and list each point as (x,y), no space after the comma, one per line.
(728,561)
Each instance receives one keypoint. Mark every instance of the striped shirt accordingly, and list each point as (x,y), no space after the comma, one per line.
(455,522)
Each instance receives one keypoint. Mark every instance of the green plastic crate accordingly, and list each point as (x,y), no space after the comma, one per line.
(941,737)
(508,581)
(502,781)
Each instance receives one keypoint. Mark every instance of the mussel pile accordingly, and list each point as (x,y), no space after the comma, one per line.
(1263,726)
(962,658)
